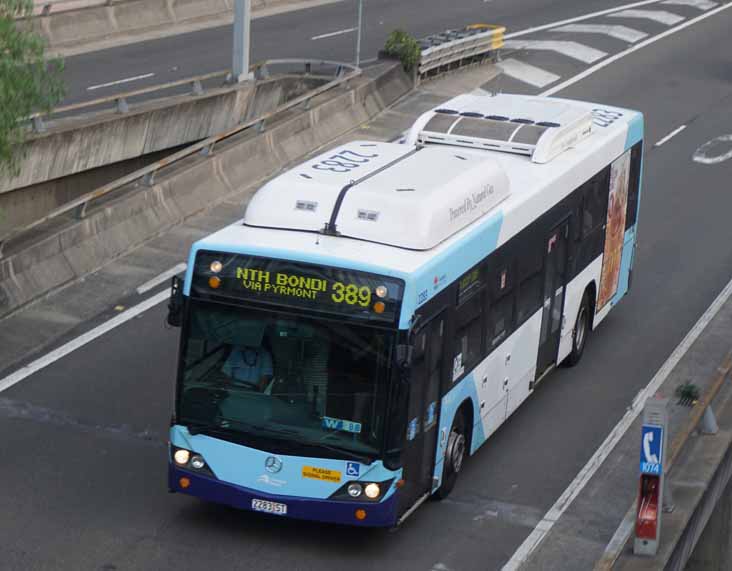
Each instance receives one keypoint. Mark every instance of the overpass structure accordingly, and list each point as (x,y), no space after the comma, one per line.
(555,489)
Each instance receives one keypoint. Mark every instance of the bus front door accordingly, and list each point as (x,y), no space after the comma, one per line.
(555,281)
(424,394)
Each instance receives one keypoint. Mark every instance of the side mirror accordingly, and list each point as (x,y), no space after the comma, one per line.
(175,304)
(404,356)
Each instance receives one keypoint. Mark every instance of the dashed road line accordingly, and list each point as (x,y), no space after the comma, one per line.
(579,18)
(619,32)
(660,16)
(527,73)
(542,530)
(670,136)
(620,55)
(573,50)
(121,81)
(701,4)
(331,34)
(80,341)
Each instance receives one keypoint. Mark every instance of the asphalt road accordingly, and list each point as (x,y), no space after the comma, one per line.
(83,441)
(289,35)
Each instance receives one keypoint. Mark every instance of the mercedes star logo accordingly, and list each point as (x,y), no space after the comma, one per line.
(273,464)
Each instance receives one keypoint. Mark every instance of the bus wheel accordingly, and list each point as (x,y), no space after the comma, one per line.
(454,456)
(581,331)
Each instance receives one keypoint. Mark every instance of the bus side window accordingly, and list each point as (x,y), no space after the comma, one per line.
(529,299)
(594,203)
(530,266)
(634,185)
(500,321)
(467,349)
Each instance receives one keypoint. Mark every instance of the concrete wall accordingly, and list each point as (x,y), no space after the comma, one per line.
(26,205)
(64,249)
(83,144)
(81,29)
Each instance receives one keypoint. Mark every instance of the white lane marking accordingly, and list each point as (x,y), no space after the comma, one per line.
(80,341)
(119,81)
(620,55)
(578,18)
(659,16)
(527,73)
(166,275)
(701,4)
(331,34)
(537,536)
(574,50)
(619,32)
(584,476)
(670,136)
(701,154)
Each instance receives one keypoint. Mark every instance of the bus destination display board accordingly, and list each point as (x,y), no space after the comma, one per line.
(294,284)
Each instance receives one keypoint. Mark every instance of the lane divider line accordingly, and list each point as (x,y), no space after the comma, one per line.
(166,275)
(540,532)
(331,34)
(120,81)
(670,136)
(620,55)
(580,18)
(543,528)
(615,547)
(74,344)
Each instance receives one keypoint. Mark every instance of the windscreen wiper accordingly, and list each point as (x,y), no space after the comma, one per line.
(350,453)
(201,427)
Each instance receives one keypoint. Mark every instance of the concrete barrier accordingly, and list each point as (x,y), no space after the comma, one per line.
(91,27)
(65,249)
(83,144)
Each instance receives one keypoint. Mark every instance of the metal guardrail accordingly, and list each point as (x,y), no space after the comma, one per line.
(457,46)
(344,73)
(47,6)
(121,99)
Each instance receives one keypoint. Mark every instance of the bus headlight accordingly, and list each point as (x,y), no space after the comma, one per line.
(372,490)
(181,457)
(354,490)
(197,462)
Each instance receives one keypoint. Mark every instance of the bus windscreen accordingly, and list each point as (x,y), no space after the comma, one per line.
(344,292)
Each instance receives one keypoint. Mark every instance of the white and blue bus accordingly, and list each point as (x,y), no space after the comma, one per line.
(383,308)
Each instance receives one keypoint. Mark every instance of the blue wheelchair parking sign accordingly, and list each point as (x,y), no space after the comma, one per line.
(353,469)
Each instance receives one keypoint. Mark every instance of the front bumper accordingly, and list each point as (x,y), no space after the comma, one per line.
(381,514)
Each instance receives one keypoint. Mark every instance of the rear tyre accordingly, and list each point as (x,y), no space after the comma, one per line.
(455,454)
(580,333)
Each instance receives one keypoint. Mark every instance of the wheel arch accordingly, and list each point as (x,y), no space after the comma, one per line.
(591,291)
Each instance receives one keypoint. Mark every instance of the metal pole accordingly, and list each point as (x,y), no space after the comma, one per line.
(242,24)
(358,33)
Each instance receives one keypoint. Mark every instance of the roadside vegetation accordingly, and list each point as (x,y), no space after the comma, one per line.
(28,83)
(404,47)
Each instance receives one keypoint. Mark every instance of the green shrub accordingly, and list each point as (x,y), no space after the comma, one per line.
(403,46)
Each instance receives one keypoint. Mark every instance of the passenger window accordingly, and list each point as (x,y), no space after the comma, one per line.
(594,203)
(634,185)
(467,349)
(529,300)
(501,320)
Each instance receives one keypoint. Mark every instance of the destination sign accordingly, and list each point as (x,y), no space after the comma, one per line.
(296,284)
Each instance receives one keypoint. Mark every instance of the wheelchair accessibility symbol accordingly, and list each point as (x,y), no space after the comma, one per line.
(353,469)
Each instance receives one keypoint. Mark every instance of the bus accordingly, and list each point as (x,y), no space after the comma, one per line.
(382,308)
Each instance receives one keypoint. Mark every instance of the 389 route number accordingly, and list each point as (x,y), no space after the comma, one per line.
(351,294)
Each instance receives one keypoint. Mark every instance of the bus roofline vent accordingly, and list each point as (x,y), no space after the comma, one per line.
(537,127)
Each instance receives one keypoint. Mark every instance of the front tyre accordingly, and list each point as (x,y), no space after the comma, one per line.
(580,333)
(455,454)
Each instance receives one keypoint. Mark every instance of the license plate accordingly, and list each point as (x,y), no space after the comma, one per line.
(269,507)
